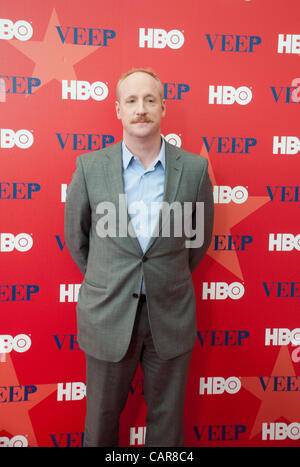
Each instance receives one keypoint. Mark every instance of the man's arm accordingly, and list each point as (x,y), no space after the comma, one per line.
(78,218)
(205,195)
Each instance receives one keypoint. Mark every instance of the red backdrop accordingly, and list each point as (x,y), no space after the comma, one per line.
(230,72)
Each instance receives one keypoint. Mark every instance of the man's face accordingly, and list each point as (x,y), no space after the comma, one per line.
(140,106)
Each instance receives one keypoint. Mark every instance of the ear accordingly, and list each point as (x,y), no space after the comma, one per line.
(117,106)
(163,106)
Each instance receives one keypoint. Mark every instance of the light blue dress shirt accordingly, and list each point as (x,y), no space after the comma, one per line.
(144,191)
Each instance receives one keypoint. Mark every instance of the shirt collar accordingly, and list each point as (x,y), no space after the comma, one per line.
(127,155)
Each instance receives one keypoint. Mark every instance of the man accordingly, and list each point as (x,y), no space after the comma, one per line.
(137,302)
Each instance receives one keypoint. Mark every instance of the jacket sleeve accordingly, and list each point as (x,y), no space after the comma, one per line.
(78,218)
(205,195)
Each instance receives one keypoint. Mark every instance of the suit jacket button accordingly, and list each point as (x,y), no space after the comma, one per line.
(135,295)
(144,258)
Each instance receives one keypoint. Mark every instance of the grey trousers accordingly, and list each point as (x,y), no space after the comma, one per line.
(108,385)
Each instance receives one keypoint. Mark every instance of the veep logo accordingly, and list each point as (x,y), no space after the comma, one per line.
(232,43)
(219,385)
(281,431)
(83,90)
(286,145)
(175,91)
(282,289)
(17,292)
(18,190)
(222,338)
(282,336)
(159,38)
(284,242)
(21,30)
(85,36)
(226,194)
(84,142)
(288,43)
(222,290)
(226,145)
(23,139)
(18,84)
(16,393)
(284,193)
(20,343)
(228,95)
(71,391)
(9,242)
(232,242)
(286,94)
(17,441)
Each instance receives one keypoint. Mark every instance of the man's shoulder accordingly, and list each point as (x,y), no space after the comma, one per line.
(189,158)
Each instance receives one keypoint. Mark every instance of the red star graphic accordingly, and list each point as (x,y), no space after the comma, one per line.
(15,417)
(53,59)
(274,404)
(226,217)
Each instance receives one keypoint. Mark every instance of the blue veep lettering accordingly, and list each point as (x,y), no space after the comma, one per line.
(280,383)
(285,193)
(85,142)
(282,289)
(17,293)
(232,242)
(16,393)
(60,243)
(232,43)
(18,190)
(222,338)
(18,84)
(219,432)
(136,386)
(85,36)
(67,440)
(175,91)
(68,341)
(285,94)
(227,145)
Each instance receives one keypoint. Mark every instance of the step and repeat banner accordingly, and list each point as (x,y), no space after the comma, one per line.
(230,71)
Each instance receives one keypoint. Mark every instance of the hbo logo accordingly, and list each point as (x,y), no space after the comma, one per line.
(225,194)
(17,441)
(23,139)
(222,290)
(21,30)
(21,242)
(83,90)
(20,343)
(229,95)
(174,139)
(159,38)
(284,242)
(218,385)
(286,145)
(281,431)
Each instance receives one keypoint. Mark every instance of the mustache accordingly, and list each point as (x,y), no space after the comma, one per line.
(141,120)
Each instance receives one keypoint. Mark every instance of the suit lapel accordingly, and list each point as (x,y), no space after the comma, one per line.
(115,186)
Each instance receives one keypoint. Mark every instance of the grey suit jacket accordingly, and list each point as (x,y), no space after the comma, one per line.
(113,266)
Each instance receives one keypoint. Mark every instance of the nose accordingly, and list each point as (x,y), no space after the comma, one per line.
(140,108)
